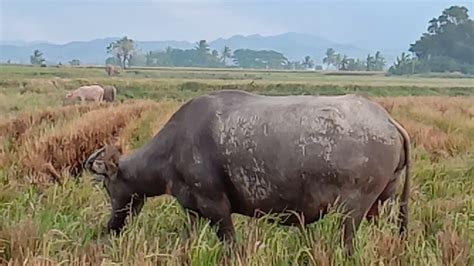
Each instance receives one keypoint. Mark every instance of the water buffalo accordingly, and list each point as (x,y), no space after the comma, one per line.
(112,70)
(236,152)
(87,93)
(110,93)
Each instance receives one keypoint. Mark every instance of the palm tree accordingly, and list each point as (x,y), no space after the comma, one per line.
(330,57)
(403,59)
(202,47)
(403,64)
(344,62)
(308,62)
(369,62)
(37,53)
(37,58)
(226,54)
(379,61)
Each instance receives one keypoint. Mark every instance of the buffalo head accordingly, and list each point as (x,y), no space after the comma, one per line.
(104,164)
(69,95)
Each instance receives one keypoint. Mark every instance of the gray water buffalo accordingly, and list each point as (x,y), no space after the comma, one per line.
(235,152)
(110,93)
(87,93)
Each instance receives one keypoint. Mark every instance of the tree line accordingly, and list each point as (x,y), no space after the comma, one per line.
(447,46)
(123,53)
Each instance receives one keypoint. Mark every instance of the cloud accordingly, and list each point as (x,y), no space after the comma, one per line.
(213,21)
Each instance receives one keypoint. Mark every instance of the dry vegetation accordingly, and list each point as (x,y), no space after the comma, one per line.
(45,223)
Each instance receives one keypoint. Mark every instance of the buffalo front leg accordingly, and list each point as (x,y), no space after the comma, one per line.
(192,218)
(187,200)
(121,210)
(218,211)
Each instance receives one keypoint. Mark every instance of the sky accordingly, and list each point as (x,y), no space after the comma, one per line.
(390,24)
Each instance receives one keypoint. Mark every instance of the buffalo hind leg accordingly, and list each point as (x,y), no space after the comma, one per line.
(356,211)
(121,210)
(386,194)
(218,211)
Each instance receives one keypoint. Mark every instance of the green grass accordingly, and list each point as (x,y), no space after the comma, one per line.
(30,88)
(63,224)
(68,220)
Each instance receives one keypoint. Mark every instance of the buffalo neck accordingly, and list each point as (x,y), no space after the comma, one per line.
(148,169)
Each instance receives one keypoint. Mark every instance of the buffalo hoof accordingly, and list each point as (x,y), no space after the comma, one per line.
(113,230)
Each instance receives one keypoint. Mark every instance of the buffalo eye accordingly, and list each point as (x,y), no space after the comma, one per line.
(99,167)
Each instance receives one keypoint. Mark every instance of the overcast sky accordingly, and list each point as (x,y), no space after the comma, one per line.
(387,23)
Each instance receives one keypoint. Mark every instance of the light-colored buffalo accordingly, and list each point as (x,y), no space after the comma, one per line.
(112,70)
(87,93)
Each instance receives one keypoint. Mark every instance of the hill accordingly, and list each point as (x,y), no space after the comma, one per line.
(295,46)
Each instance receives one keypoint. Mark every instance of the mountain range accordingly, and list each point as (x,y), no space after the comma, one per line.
(295,46)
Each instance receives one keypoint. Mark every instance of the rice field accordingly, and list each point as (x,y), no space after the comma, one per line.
(51,212)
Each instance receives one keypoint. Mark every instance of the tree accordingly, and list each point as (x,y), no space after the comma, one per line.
(226,53)
(453,15)
(289,64)
(448,43)
(344,63)
(355,64)
(75,62)
(369,62)
(267,59)
(204,58)
(330,58)
(379,61)
(137,59)
(202,47)
(337,61)
(122,49)
(197,57)
(113,61)
(434,27)
(37,58)
(308,62)
(149,59)
(404,65)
